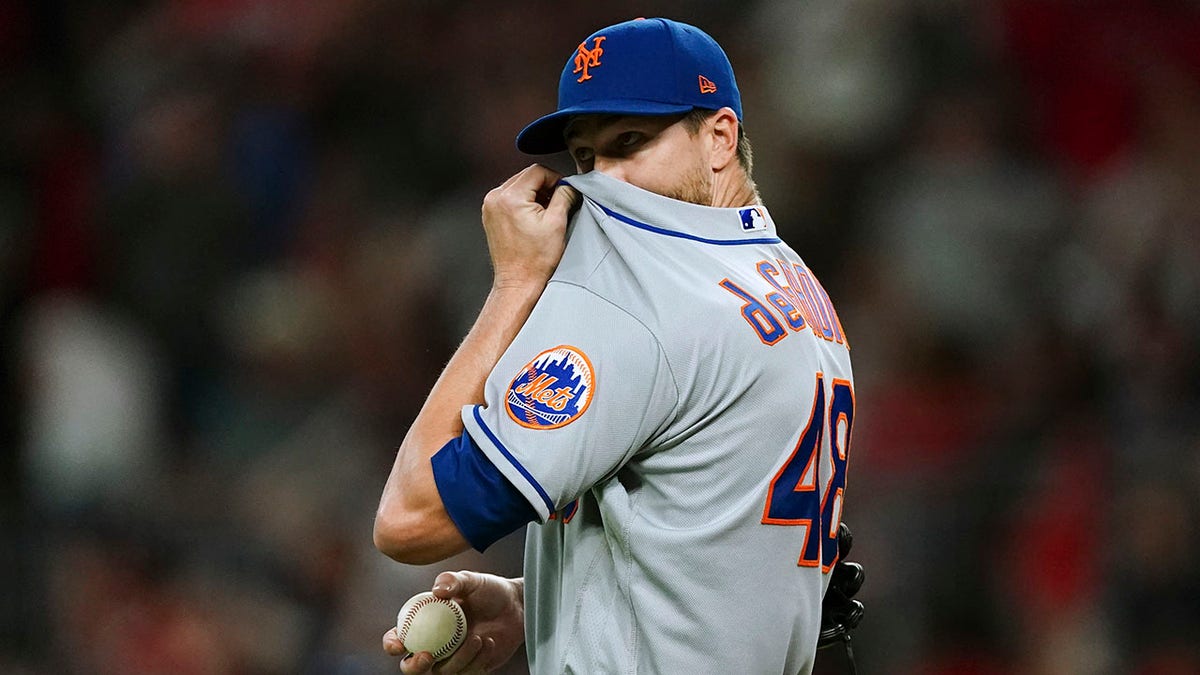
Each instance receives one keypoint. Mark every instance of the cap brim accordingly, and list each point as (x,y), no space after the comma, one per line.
(544,135)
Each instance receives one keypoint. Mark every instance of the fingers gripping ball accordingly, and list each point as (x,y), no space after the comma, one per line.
(427,623)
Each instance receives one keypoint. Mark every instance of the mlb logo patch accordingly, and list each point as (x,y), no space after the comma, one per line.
(552,390)
(753,219)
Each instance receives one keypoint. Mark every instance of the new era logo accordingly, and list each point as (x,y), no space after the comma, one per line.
(706,85)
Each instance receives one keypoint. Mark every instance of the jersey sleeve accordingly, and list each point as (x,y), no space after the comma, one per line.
(581,389)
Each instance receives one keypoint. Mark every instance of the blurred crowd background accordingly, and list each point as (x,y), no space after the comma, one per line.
(239,238)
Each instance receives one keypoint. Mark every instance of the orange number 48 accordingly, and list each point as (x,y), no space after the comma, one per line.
(793,497)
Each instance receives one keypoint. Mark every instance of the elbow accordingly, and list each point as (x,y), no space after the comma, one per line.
(403,539)
(387,537)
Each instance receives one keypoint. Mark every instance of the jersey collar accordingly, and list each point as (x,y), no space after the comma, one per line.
(655,213)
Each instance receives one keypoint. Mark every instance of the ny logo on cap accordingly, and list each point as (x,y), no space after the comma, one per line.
(588,58)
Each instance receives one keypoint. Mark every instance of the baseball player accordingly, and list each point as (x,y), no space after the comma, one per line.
(656,382)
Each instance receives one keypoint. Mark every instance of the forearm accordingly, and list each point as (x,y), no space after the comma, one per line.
(411,524)
(462,381)
(525,221)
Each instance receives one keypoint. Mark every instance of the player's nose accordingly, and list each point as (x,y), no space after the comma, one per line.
(609,167)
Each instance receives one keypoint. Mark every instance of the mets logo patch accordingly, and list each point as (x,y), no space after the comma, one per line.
(552,390)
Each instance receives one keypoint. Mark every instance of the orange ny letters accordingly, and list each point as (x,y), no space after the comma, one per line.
(588,58)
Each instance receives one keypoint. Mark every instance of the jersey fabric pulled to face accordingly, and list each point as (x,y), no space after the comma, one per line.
(677,411)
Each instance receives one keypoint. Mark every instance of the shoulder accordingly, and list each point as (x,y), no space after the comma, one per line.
(587,247)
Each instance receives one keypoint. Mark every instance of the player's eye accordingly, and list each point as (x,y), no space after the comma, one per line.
(629,139)
(583,155)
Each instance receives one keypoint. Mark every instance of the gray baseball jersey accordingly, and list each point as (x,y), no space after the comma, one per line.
(677,410)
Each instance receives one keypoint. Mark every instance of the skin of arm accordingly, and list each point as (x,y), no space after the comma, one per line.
(525,222)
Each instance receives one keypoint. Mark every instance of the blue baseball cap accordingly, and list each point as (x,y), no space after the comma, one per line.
(639,67)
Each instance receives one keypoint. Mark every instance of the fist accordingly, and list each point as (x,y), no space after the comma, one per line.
(525,220)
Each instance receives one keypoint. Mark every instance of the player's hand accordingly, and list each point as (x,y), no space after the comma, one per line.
(525,220)
(840,612)
(495,609)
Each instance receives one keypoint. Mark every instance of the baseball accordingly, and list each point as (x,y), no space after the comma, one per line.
(427,623)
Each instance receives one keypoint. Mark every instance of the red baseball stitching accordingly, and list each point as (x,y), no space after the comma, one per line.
(460,625)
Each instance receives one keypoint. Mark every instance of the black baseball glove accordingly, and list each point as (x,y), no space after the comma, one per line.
(840,612)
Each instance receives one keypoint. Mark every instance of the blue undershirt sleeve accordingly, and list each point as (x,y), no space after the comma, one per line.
(482,503)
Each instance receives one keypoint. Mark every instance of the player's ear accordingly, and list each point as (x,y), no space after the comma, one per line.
(723,131)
